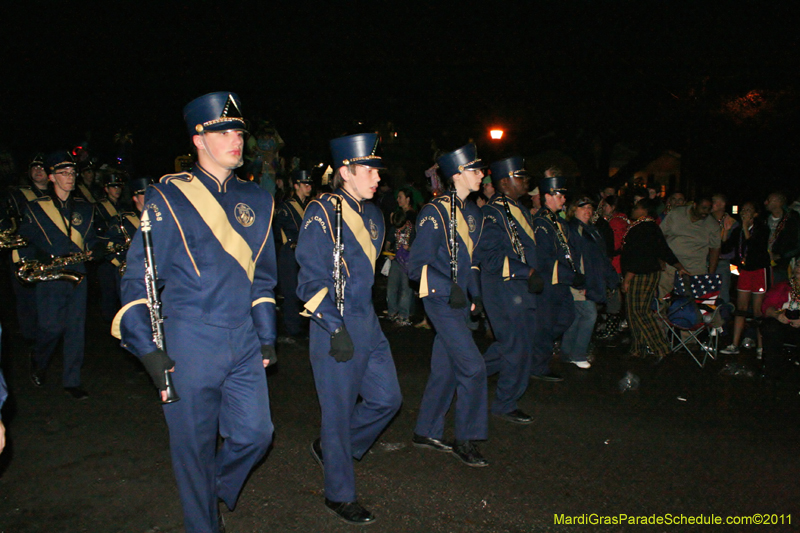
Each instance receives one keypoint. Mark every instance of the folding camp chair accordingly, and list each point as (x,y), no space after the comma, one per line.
(688,313)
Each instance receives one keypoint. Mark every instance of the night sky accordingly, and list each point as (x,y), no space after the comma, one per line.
(560,75)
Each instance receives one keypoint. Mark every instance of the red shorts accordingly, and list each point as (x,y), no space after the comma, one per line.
(753,280)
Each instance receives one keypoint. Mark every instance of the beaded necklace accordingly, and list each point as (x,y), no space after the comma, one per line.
(633,225)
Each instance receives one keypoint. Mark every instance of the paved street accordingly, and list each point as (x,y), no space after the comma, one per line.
(689,441)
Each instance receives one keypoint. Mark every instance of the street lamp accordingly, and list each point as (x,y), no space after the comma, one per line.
(496,134)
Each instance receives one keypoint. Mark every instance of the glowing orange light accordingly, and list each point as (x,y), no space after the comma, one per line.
(496,134)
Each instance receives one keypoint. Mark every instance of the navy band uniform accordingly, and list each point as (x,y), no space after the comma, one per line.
(58,227)
(348,428)
(288,219)
(556,310)
(457,366)
(510,306)
(212,237)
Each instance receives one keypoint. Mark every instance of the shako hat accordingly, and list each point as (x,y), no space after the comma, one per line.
(457,161)
(302,176)
(510,167)
(358,149)
(138,185)
(58,160)
(218,111)
(553,185)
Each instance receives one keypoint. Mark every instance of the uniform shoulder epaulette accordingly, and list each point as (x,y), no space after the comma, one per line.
(42,198)
(80,199)
(328,196)
(183,176)
(22,187)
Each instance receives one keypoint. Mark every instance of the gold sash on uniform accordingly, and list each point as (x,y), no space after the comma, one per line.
(214,216)
(54,214)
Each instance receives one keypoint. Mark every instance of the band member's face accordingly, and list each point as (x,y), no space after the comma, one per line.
(88,176)
(114,192)
(472,179)
(302,189)
(39,176)
(555,202)
(517,186)
(64,179)
(224,147)
(138,201)
(363,184)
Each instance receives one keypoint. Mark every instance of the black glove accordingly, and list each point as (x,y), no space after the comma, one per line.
(579,281)
(458,300)
(268,352)
(156,363)
(478,301)
(341,345)
(535,283)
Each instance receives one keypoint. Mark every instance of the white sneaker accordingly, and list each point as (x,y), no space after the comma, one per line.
(582,364)
(732,349)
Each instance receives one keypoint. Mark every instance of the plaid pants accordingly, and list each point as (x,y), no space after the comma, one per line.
(644,326)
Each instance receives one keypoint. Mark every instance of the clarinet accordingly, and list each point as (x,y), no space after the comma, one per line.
(153,300)
(512,225)
(338,258)
(562,240)
(453,244)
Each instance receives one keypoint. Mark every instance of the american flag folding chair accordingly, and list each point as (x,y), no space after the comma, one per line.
(688,313)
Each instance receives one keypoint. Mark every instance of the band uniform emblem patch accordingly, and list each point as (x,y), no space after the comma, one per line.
(77,219)
(245,215)
(373,230)
(471,223)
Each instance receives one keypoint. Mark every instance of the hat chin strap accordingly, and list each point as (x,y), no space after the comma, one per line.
(215,160)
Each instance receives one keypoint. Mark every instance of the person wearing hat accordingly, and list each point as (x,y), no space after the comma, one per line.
(86,186)
(350,356)
(510,283)
(213,249)
(116,227)
(59,224)
(457,366)
(288,219)
(18,198)
(557,261)
(138,186)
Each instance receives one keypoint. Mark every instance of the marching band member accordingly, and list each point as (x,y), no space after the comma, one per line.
(214,252)
(116,227)
(557,261)
(288,219)
(17,200)
(509,283)
(447,283)
(58,225)
(350,356)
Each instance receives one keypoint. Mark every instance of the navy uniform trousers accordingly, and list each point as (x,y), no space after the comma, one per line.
(61,309)
(457,367)
(287,280)
(555,313)
(350,428)
(510,355)
(229,388)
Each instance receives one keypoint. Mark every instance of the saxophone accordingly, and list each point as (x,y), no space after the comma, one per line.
(338,258)
(29,272)
(10,240)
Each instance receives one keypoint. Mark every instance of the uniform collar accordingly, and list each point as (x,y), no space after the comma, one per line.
(210,181)
(355,204)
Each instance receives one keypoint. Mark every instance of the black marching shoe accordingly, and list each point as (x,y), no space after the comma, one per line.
(469,454)
(432,444)
(515,417)
(351,512)
(550,376)
(316,453)
(76,392)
